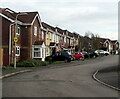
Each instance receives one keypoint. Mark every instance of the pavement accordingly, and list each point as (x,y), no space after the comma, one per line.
(109,76)
(18,70)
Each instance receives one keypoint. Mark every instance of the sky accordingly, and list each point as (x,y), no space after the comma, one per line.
(80,16)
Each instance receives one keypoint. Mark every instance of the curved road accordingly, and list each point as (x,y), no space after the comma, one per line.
(69,80)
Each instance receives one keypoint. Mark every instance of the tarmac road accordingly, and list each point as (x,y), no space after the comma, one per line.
(69,80)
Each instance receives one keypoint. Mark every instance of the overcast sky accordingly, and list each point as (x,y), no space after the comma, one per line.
(97,16)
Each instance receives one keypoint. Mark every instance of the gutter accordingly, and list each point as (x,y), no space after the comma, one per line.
(10,38)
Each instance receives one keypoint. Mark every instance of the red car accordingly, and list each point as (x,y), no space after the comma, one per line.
(78,56)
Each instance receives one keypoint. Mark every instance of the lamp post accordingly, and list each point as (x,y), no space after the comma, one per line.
(15,38)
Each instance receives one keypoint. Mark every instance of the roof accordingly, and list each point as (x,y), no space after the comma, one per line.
(69,33)
(76,35)
(26,18)
(45,25)
(114,41)
(59,30)
(38,42)
(104,39)
(6,13)
(52,44)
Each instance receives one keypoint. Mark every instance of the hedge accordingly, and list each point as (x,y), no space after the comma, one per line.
(31,63)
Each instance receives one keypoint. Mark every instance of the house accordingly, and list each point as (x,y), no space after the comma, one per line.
(109,45)
(69,41)
(49,37)
(76,37)
(115,45)
(26,28)
(60,37)
(105,44)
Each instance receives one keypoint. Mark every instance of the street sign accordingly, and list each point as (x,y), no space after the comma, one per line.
(15,39)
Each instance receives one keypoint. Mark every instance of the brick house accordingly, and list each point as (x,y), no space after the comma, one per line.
(109,45)
(105,44)
(28,32)
(49,37)
(115,45)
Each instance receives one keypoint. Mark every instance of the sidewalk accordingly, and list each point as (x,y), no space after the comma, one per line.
(109,76)
(11,72)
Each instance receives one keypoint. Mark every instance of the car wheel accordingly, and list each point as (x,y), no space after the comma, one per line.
(94,56)
(81,59)
(72,59)
(65,60)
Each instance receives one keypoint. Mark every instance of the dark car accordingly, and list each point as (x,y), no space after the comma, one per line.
(86,55)
(59,56)
(90,55)
(93,55)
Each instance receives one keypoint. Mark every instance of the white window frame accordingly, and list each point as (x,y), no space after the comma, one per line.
(18,31)
(42,35)
(17,50)
(47,35)
(40,50)
(35,30)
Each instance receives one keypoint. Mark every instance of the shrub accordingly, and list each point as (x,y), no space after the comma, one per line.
(31,63)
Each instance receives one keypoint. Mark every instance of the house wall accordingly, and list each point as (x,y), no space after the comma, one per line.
(1,57)
(5,41)
(34,38)
(25,42)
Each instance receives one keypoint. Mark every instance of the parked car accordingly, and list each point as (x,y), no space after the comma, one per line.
(102,52)
(59,56)
(99,52)
(78,56)
(72,58)
(106,53)
(90,55)
(86,55)
(93,54)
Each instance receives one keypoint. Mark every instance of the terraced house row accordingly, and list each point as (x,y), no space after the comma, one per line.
(24,36)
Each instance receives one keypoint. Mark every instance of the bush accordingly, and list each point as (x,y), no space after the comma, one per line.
(31,63)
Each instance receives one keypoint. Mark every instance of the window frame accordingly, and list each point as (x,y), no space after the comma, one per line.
(35,30)
(39,51)
(17,50)
(18,30)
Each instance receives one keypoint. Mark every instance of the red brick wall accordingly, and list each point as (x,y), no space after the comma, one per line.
(28,39)
(5,41)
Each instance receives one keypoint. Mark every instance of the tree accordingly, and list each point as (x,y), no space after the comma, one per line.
(89,42)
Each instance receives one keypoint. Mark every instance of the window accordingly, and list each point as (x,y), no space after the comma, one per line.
(37,53)
(47,35)
(35,31)
(17,51)
(18,31)
(42,35)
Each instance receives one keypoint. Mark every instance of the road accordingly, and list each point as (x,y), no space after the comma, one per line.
(68,80)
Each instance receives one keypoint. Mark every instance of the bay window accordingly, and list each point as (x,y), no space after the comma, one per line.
(37,52)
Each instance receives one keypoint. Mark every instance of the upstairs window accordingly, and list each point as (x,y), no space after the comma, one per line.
(35,31)
(18,31)
(42,35)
